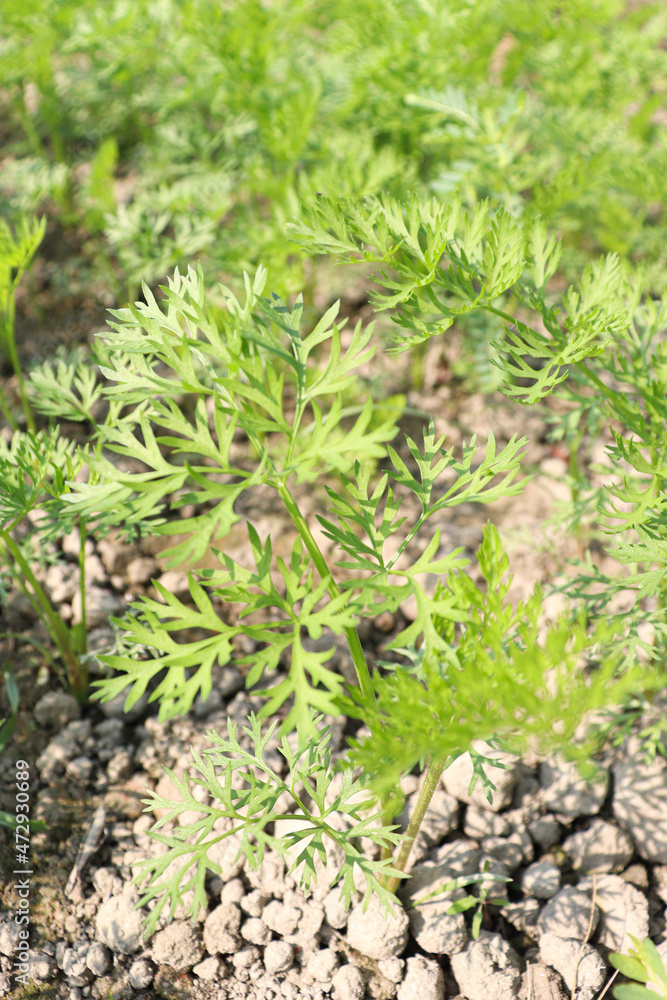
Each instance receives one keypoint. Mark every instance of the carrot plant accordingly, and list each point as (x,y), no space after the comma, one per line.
(190,381)
(18,246)
(601,347)
(34,469)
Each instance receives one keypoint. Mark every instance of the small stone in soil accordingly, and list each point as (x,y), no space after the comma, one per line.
(423,979)
(98,959)
(541,879)
(568,914)
(563,955)
(567,794)
(322,965)
(488,969)
(178,946)
(378,934)
(141,974)
(278,956)
(119,925)
(56,709)
(211,968)
(348,983)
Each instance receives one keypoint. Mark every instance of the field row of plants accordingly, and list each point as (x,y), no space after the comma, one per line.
(171,131)
(497,169)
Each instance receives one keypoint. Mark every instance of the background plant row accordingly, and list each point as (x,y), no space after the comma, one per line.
(160,132)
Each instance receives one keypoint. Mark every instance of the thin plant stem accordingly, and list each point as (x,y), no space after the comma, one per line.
(388,817)
(583,943)
(608,985)
(76,673)
(82,637)
(354,642)
(406,541)
(9,346)
(363,675)
(430,783)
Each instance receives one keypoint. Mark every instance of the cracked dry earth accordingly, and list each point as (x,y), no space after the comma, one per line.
(587,859)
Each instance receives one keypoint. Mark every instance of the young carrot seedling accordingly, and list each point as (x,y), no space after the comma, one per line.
(194,381)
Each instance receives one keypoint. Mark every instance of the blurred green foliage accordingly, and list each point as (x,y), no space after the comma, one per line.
(172,130)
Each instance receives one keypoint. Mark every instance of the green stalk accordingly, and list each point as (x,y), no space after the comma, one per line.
(434,770)
(9,346)
(388,817)
(82,635)
(354,642)
(417,361)
(658,482)
(406,541)
(78,678)
(574,468)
